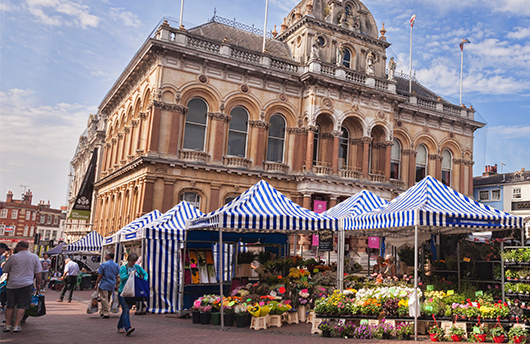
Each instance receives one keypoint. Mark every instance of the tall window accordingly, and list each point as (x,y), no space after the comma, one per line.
(42,219)
(33,216)
(343,148)
(237,132)
(316,145)
(195,130)
(28,215)
(421,163)
(3,214)
(192,198)
(276,140)
(395,160)
(346,59)
(14,213)
(26,229)
(49,222)
(56,220)
(447,166)
(496,195)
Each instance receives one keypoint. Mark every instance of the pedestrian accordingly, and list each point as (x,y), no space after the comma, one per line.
(45,263)
(3,257)
(107,283)
(124,325)
(71,269)
(22,268)
(5,252)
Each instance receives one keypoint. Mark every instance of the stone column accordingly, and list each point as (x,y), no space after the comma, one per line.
(434,160)
(307,201)
(177,111)
(214,197)
(388,155)
(167,202)
(366,156)
(153,134)
(412,165)
(460,186)
(219,124)
(332,201)
(299,148)
(141,145)
(470,164)
(259,142)
(148,195)
(335,156)
(310,148)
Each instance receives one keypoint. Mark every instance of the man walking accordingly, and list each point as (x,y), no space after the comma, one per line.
(45,264)
(71,269)
(107,283)
(22,268)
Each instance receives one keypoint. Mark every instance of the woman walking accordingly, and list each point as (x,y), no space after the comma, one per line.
(124,325)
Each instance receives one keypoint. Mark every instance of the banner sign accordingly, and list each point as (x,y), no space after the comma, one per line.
(373,242)
(319,206)
(83,201)
(325,240)
(459,221)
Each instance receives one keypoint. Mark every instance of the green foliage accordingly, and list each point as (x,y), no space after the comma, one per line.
(246,257)
(406,255)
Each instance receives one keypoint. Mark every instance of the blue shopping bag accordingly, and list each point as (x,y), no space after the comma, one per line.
(141,289)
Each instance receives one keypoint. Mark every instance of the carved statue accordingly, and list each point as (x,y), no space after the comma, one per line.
(339,55)
(370,63)
(314,49)
(391,69)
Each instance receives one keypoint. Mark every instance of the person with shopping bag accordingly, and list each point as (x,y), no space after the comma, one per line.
(106,283)
(128,274)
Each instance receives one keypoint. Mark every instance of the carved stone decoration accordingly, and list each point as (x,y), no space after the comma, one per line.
(355,107)
(143,114)
(366,139)
(203,78)
(356,142)
(259,124)
(262,115)
(327,102)
(381,115)
(519,175)
(192,183)
(425,129)
(162,170)
(326,136)
(435,157)
(244,88)
(336,133)
(156,94)
(168,106)
(312,128)
(222,106)
(177,97)
(451,134)
(370,63)
(399,123)
(410,152)
(282,97)
(127,129)
(297,131)
(219,116)
(236,187)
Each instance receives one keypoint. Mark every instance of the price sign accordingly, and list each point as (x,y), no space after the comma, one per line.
(428,308)
(430,287)
(479,293)
(364,321)
(325,237)
(193,265)
(392,290)
(315,270)
(467,260)
(304,279)
(450,292)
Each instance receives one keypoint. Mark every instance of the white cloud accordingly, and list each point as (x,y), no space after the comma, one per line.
(522,32)
(62,12)
(125,17)
(510,132)
(38,142)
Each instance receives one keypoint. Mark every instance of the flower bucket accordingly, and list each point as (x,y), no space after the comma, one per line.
(520,339)
(387,335)
(434,337)
(456,338)
(216,318)
(228,319)
(241,321)
(326,333)
(499,339)
(196,317)
(480,337)
(205,318)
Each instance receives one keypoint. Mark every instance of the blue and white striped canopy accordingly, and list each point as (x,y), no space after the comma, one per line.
(265,209)
(430,203)
(360,203)
(169,226)
(90,242)
(129,232)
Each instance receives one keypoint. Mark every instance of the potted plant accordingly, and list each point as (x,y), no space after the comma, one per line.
(206,314)
(385,329)
(436,334)
(479,333)
(456,333)
(241,312)
(517,334)
(195,313)
(498,334)
(326,328)
(404,330)
(228,315)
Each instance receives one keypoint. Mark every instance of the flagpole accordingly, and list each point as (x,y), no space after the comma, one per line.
(181,25)
(461,71)
(410,72)
(265,28)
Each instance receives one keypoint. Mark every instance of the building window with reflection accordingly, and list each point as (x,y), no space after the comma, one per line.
(395,160)
(192,198)
(195,129)
(237,132)
(421,162)
(346,59)
(316,145)
(343,148)
(447,166)
(276,139)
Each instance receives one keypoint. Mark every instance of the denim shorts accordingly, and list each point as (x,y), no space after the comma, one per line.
(19,297)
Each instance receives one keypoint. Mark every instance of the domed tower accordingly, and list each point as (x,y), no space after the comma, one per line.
(343,33)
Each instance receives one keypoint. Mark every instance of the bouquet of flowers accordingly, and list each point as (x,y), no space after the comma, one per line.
(304,297)
(404,329)
(241,309)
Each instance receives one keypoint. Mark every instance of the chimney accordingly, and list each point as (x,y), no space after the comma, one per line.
(9,197)
(28,197)
(489,170)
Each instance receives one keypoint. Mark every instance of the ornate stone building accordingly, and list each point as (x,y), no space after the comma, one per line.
(203,114)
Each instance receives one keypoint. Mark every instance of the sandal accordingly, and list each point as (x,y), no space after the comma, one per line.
(121,330)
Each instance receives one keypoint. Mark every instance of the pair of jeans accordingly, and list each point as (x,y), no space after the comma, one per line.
(69,284)
(125,321)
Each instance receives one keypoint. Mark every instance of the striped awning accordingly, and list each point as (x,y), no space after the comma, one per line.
(265,209)
(130,231)
(90,242)
(360,203)
(431,204)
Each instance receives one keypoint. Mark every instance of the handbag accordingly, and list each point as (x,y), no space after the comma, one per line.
(135,289)
(37,306)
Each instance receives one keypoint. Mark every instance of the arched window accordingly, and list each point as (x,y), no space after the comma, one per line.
(195,130)
(192,198)
(395,160)
(316,145)
(348,10)
(276,140)
(447,166)
(421,162)
(346,59)
(343,148)
(237,132)
(230,199)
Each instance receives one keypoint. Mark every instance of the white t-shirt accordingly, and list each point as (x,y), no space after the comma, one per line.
(22,268)
(45,264)
(71,269)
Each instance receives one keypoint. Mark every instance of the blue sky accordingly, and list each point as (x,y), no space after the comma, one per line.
(59,58)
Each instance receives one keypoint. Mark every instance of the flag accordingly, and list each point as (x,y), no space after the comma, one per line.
(9,229)
(412,20)
(464,40)
(83,202)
